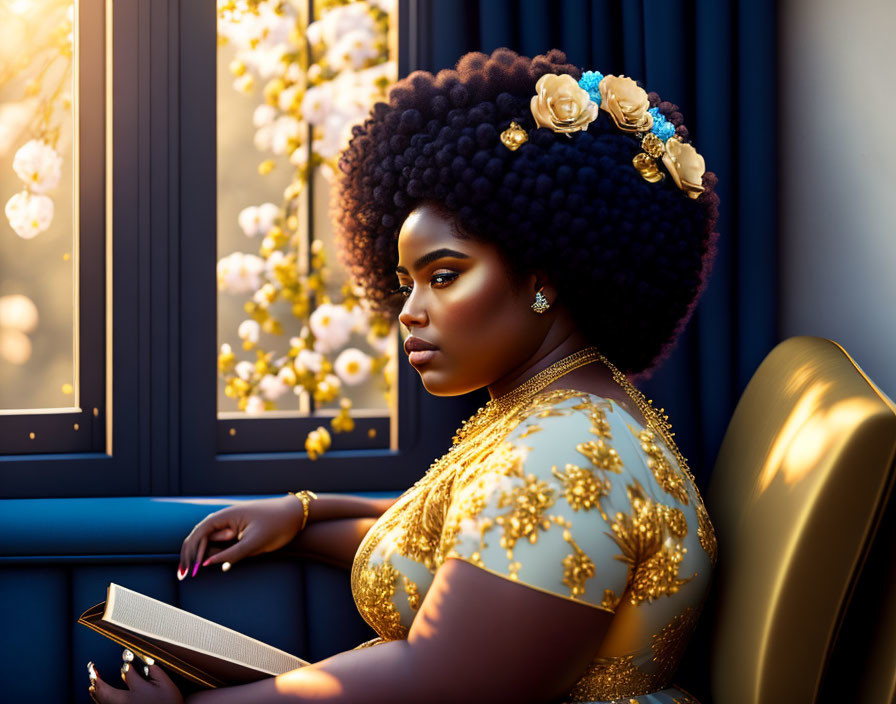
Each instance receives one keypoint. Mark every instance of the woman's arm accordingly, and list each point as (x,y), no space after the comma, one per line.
(478,637)
(329,506)
(336,526)
(335,541)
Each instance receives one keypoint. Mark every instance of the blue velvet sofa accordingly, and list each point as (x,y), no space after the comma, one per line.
(57,557)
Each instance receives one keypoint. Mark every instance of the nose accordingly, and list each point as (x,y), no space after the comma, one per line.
(412,313)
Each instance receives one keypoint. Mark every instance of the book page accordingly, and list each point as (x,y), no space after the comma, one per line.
(156,619)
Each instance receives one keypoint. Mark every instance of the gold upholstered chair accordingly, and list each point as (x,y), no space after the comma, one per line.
(805,578)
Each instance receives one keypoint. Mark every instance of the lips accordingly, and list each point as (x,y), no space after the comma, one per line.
(415,344)
(419,351)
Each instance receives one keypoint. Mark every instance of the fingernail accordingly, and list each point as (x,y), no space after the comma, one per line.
(181,573)
(225,566)
(149,661)
(205,564)
(127,655)
(195,569)
(124,670)
(91,671)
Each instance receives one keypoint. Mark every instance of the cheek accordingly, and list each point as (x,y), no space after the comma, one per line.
(479,306)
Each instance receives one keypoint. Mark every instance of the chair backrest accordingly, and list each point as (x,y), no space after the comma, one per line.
(803,474)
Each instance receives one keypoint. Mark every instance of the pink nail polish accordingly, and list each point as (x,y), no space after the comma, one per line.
(205,564)
(195,569)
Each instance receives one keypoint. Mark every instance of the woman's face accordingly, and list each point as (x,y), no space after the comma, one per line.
(461,298)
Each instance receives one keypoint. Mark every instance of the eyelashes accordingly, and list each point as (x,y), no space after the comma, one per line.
(446,279)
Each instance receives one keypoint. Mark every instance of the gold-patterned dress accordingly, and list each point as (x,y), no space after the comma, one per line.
(577,499)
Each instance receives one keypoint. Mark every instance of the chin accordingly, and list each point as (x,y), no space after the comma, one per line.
(438,385)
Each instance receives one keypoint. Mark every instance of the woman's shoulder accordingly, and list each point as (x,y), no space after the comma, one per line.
(562,428)
(596,413)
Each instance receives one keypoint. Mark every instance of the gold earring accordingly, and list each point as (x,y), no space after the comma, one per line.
(541,303)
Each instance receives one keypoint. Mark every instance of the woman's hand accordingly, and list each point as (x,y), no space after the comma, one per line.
(258,526)
(158,689)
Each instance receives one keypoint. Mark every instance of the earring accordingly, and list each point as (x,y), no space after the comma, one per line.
(541,303)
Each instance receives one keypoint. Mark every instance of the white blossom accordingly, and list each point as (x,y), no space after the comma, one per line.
(257,220)
(29,214)
(284,129)
(317,102)
(249,330)
(18,312)
(15,346)
(244,83)
(353,366)
(263,115)
(244,370)
(265,60)
(353,50)
(263,136)
(341,20)
(308,361)
(38,165)
(254,405)
(272,387)
(299,157)
(240,273)
(287,98)
(331,325)
(314,32)
(294,73)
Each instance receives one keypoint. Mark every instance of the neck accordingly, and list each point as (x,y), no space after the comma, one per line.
(544,357)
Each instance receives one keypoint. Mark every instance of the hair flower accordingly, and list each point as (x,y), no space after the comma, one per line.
(626,102)
(561,104)
(590,81)
(661,127)
(685,166)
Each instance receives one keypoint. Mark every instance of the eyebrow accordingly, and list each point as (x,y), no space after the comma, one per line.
(431,257)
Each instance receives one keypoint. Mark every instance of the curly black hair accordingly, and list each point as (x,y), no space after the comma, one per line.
(629,258)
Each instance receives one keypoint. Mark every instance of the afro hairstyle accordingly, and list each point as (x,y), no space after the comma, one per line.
(629,258)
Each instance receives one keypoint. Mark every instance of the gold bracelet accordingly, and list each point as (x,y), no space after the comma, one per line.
(305,497)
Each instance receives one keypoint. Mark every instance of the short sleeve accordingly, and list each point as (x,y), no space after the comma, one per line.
(540,509)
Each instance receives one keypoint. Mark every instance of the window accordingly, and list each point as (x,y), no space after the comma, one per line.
(139,328)
(52,395)
(297,351)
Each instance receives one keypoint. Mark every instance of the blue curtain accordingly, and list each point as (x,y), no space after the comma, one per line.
(717,60)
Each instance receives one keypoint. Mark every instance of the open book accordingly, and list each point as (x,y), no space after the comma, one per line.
(202,651)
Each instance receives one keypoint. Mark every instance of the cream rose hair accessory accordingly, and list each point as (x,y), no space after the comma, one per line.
(566,106)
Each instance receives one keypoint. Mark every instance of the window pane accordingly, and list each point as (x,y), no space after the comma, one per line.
(291,335)
(37,188)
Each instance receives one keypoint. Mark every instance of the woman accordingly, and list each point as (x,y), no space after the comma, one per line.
(541,222)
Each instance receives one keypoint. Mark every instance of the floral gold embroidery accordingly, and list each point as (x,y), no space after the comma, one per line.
(413,592)
(658,576)
(528,503)
(578,568)
(600,426)
(376,589)
(647,546)
(610,600)
(617,678)
(673,482)
(706,533)
(601,455)
(583,488)
(608,679)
